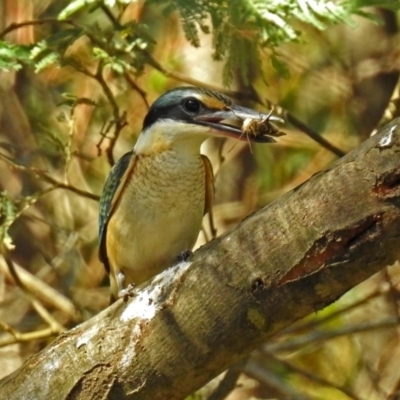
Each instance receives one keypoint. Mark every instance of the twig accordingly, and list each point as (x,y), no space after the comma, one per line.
(309,325)
(54,326)
(119,118)
(14,26)
(311,377)
(271,380)
(135,87)
(114,20)
(9,329)
(47,178)
(313,337)
(311,133)
(27,337)
(211,223)
(392,292)
(228,382)
(42,291)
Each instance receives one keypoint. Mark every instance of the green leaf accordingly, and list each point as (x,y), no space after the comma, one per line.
(8,214)
(280,66)
(74,7)
(13,56)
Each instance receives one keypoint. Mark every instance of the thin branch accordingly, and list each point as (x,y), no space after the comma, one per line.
(316,336)
(119,120)
(135,87)
(40,174)
(14,26)
(105,128)
(117,25)
(310,325)
(42,291)
(271,380)
(393,292)
(311,133)
(312,377)
(228,382)
(9,329)
(114,20)
(28,337)
(54,326)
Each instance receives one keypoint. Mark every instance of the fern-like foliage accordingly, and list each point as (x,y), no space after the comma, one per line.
(40,55)
(13,57)
(124,50)
(241,28)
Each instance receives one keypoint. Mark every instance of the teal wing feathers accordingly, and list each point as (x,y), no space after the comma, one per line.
(108,199)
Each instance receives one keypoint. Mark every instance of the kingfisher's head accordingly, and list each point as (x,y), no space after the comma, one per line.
(189,115)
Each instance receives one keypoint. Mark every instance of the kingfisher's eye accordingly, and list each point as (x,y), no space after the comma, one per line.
(191,105)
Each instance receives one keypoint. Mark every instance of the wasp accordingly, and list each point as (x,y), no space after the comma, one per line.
(261,128)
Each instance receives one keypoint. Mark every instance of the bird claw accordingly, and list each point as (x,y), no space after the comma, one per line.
(129,291)
(184,256)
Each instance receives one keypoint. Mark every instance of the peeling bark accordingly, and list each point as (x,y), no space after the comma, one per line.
(191,322)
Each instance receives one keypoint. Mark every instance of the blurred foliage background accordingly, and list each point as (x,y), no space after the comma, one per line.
(76,79)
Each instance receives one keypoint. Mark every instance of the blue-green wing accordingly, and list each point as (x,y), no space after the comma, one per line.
(109,197)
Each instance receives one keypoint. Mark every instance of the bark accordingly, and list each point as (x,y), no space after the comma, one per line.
(290,259)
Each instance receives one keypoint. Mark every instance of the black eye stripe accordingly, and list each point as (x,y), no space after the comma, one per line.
(184,103)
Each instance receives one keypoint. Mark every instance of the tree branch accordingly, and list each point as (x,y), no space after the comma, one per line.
(290,259)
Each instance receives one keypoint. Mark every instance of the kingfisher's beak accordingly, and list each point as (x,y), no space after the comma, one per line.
(231,122)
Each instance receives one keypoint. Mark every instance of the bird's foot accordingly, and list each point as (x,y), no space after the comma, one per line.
(184,256)
(129,291)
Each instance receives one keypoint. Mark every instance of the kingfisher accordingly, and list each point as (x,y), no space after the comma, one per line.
(156,195)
